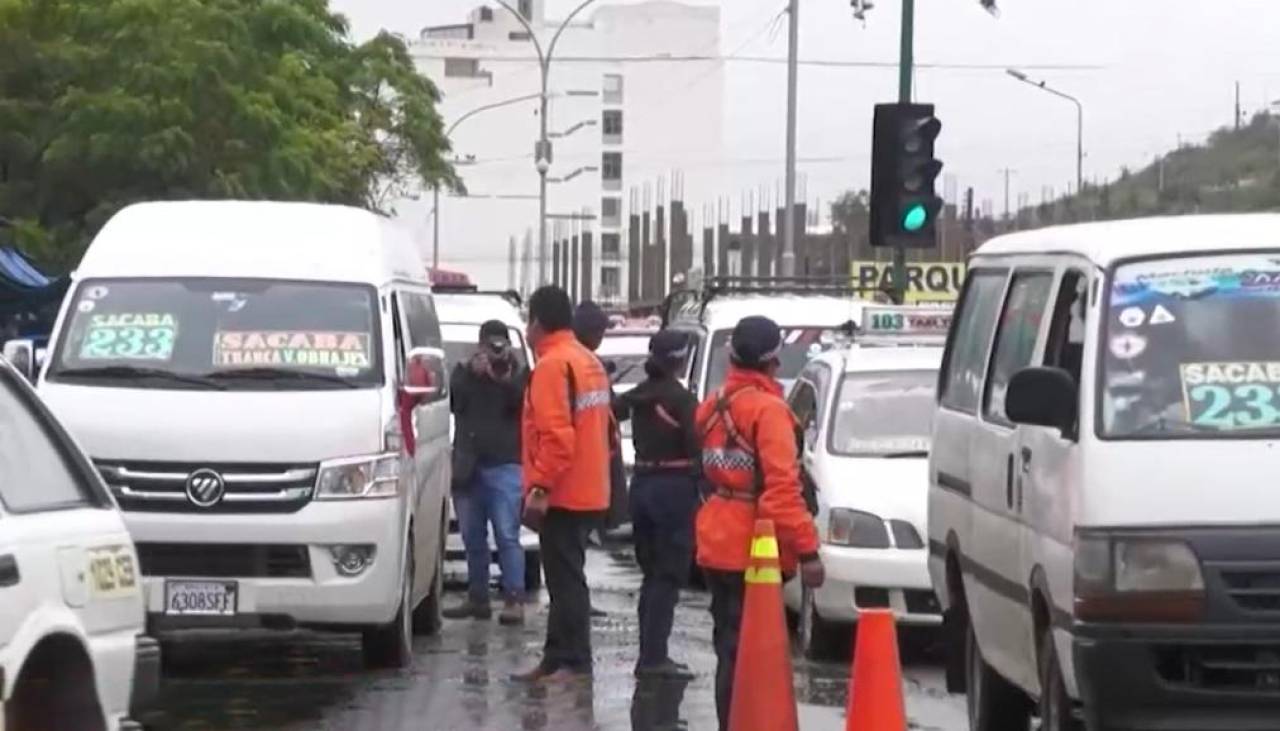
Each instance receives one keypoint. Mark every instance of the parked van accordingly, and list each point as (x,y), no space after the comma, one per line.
(72,650)
(262,387)
(1103,528)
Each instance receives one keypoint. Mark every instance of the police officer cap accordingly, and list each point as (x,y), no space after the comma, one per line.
(756,340)
(669,345)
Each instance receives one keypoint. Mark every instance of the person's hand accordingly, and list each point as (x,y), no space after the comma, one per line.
(813,573)
(479,364)
(535,509)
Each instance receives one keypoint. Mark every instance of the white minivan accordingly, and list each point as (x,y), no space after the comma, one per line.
(1103,524)
(72,650)
(262,387)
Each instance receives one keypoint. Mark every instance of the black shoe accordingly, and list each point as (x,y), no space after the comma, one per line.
(468,610)
(598,612)
(667,670)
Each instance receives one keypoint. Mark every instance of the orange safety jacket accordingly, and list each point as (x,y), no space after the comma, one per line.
(749,455)
(565,426)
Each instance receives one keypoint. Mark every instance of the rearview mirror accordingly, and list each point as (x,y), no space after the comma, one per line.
(424,375)
(1043,397)
(21,354)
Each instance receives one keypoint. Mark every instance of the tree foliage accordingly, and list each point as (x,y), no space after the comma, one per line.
(109,102)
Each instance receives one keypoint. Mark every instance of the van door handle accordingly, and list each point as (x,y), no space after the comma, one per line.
(9,575)
(1008,482)
(1026,460)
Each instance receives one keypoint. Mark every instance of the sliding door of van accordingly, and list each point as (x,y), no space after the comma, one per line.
(1002,619)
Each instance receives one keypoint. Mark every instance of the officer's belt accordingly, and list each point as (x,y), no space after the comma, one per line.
(670,464)
(742,496)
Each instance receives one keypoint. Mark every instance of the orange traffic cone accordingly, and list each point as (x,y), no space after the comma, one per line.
(763,696)
(875,685)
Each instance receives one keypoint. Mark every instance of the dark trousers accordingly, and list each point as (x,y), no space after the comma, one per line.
(663,505)
(727,592)
(563,541)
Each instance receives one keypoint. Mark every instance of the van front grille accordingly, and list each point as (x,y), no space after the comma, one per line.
(225,561)
(1239,668)
(161,487)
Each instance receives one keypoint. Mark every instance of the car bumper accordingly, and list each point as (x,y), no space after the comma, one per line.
(1167,678)
(312,595)
(861,578)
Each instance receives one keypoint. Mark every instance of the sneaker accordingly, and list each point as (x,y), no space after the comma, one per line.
(512,613)
(468,610)
(668,670)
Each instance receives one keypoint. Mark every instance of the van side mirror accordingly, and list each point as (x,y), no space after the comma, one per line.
(21,354)
(1043,397)
(424,375)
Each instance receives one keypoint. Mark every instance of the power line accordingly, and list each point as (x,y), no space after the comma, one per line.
(824,63)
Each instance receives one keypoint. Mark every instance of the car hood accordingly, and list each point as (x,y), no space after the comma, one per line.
(218,426)
(889,488)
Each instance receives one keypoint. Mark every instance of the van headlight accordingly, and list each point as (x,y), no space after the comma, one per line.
(856,529)
(1137,579)
(374,476)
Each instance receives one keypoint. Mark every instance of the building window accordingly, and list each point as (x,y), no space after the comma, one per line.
(462,68)
(610,283)
(526,9)
(612,123)
(611,166)
(610,246)
(611,209)
(613,88)
(486,15)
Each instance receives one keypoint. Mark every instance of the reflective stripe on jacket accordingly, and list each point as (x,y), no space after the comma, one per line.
(565,425)
(766,434)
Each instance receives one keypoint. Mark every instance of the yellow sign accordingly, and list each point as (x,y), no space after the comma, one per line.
(927,282)
(112,572)
(291,348)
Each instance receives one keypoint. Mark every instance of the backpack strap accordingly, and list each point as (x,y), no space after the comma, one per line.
(723,400)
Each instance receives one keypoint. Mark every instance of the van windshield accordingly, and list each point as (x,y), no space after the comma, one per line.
(1188,348)
(246,334)
(799,344)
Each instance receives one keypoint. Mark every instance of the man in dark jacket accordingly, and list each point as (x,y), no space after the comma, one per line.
(664,495)
(589,325)
(487,398)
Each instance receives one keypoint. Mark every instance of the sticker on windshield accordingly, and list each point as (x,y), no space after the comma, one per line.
(1162,316)
(97,293)
(130,336)
(1128,346)
(1232,395)
(1132,317)
(85,306)
(291,349)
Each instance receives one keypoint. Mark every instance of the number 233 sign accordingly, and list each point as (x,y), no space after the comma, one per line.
(1232,395)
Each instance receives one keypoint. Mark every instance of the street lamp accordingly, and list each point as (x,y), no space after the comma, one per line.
(1079,120)
(542,151)
(435,209)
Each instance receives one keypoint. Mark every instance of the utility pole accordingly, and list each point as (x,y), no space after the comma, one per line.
(1237,106)
(1007,172)
(905,70)
(793,77)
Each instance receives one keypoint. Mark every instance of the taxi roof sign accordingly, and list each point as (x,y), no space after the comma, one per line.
(905,323)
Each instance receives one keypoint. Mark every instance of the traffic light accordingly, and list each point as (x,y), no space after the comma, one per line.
(904,176)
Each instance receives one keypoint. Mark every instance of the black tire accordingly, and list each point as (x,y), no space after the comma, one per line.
(1057,711)
(426,616)
(819,638)
(53,695)
(994,703)
(391,645)
(532,571)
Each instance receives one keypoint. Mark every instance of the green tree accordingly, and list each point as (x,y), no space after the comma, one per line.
(110,102)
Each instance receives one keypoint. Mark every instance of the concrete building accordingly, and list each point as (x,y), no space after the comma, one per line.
(636,103)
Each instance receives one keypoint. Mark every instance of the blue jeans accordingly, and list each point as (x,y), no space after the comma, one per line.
(494,497)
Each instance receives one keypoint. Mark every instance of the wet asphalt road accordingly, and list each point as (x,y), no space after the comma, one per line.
(459,680)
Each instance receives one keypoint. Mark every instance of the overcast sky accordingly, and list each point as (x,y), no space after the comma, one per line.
(1165,69)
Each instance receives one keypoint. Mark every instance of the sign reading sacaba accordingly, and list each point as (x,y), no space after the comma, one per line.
(926,281)
(291,348)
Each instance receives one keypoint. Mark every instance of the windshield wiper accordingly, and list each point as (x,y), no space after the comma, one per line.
(268,373)
(915,453)
(123,371)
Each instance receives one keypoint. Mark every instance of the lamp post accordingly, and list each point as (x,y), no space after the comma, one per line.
(542,151)
(435,205)
(1043,86)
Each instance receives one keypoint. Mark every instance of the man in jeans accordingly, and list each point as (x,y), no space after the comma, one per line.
(487,399)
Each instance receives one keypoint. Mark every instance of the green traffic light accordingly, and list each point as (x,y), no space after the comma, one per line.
(915,218)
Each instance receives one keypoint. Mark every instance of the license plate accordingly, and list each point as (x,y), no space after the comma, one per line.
(200,598)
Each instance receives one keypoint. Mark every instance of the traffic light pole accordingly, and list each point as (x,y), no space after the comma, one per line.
(904,96)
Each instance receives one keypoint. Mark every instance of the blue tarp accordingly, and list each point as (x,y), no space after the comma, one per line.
(23,287)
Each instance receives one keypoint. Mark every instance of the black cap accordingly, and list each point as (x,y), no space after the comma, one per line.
(756,340)
(669,346)
(589,321)
(494,329)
